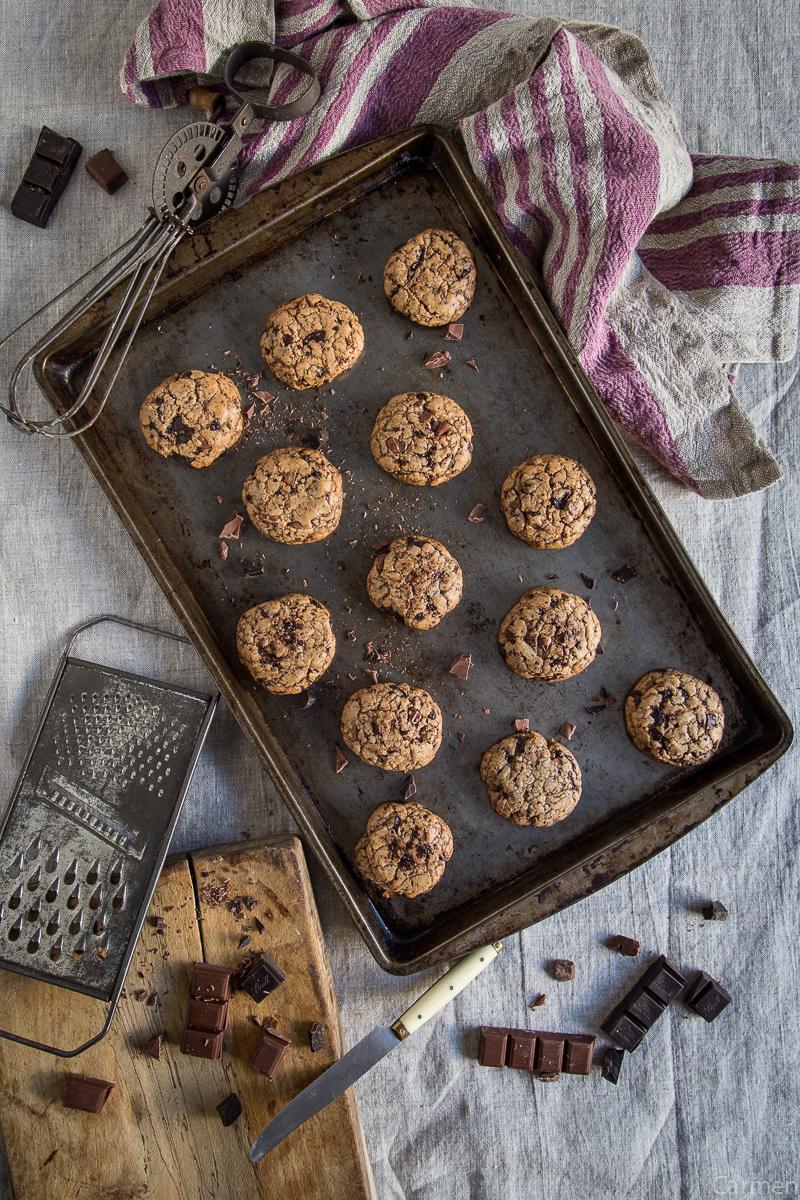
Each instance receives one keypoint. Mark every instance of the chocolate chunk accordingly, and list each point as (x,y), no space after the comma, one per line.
(439,358)
(233,528)
(104,169)
(563,970)
(410,788)
(538,1001)
(316,1037)
(568,730)
(477,514)
(715,911)
(612,1064)
(340,761)
(588,581)
(208,1015)
(86,1093)
(624,574)
(269,1052)
(461,666)
(594,710)
(630,1020)
(210,982)
(522,725)
(260,977)
(260,926)
(230,1109)
(629,947)
(707,997)
(199,1043)
(48,173)
(153,1047)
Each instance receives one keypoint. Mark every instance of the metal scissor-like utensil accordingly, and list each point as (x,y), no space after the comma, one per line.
(195,177)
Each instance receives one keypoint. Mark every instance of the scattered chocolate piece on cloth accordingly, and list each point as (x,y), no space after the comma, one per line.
(626,946)
(630,1020)
(229,1109)
(210,982)
(707,997)
(538,1001)
(541,1052)
(104,169)
(154,1046)
(715,911)
(47,174)
(269,1052)
(611,1063)
(562,969)
(316,1037)
(260,977)
(199,1043)
(86,1093)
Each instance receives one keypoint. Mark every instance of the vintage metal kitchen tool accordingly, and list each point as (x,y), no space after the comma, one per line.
(195,177)
(90,821)
(371,1049)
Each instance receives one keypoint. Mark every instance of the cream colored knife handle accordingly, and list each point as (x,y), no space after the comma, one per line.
(445,989)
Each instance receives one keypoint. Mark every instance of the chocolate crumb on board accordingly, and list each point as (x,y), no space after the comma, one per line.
(316,1037)
(568,730)
(341,761)
(522,725)
(229,1109)
(627,946)
(223,550)
(461,666)
(538,1001)
(477,513)
(260,926)
(611,1064)
(487,712)
(455,332)
(551,577)
(244,940)
(215,894)
(562,969)
(439,358)
(154,1045)
(715,911)
(623,574)
(461,737)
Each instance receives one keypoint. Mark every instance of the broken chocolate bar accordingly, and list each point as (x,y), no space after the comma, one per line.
(86,1093)
(208,1015)
(612,1064)
(268,1052)
(201,1044)
(645,1002)
(627,946)
(104,169)
(210,982)
(259,977)
(707,997)
(48,173)
(230,1109)
(534,1050)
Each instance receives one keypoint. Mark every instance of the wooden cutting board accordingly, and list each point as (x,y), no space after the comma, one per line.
(159,1135)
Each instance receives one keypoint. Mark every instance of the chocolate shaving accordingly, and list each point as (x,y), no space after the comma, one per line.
(223,550)
(624,574)
(594,710)
(341,761)
(606,697)
(477,514)
(473,365)
(265,398)
(588,581)
(233,529)
(455,332)
(153,1047)
(214,894)
(411,788)
(371,674)
(538,1001)
(439,358)
(461,666)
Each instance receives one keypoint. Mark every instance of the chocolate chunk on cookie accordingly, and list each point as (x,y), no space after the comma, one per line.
(417,578)
(404,849)
(548,501)
(392,726)
(196,415)
(530,780)
(549,634)
(310,340)
(422,438)
(675,718)
(431,278)
(294,496)
(286,644)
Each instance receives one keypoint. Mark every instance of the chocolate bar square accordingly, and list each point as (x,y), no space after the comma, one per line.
(199,1043)
(269,1052)
(43,174)
(549,1053)
(492,1046)
(663,980)
(208,1015)
(579,1048)
(55,146)
(86,1093)
(47,175)
(645,1008)
(708,997)
(210,982)
(104,169)
(520,1049)
(624,1029)
(260,977)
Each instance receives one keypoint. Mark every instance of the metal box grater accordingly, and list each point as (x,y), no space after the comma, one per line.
(90,821)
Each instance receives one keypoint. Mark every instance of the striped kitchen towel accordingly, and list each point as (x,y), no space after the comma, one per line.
(665,270)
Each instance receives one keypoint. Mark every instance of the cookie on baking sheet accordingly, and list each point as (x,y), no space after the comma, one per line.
(422,438)
(674,717)
(392,726)
(196,415)
(310,340)
(549,634)
(548,501)
(286,644)
(530,780)
(404,849)
(417,578)
(431,278)
(294,495)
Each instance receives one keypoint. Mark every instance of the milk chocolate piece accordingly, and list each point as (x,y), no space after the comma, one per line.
(519,1049)
(535,1050)
(201,1044)
(210,982)
(492,1046)
(612,1064)
(563,970)
(268,1052)
(707,997)
(624,945)
(645,1002)
(715,911)
(86,1093)
(549,1053)
(47,175)
(153,1047)
(230,1109)
(104,169)
(209,1015)
(260,977)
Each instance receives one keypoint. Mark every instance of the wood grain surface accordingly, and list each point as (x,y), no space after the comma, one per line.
(159,1135)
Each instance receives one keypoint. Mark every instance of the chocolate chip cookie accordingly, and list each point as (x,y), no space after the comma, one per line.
(417,578)
(431,278)
(310,340)
(286,644)
(294,496)
(549,634)
(392,726)
(422,438)
(530,780)
(196,415)
(404,849)
(548,501)
(674,717)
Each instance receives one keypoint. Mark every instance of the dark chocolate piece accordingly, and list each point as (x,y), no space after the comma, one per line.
(538,1001)
(578,1053)
(269,1052)
(563,970)
(715,911)
(707,997)
(260,977)
(153,1047)
(208,1015)
(612,1064)
(520,1049)
(210,982)
(230,1109)
(47,175)
(645,1002)
(316,1036)
(461,666)
(624,945)
(549,1053)
(492,1046)
(104,169)
(86,1093)
(543,1053)
(202,1044)
(624,574)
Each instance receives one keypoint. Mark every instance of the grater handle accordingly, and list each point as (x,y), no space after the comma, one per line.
(113,620)
(58,1050)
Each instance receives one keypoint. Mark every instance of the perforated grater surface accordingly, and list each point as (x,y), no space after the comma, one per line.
(89,824)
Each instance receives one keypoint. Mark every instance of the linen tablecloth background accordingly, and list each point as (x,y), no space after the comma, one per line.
(701,1110)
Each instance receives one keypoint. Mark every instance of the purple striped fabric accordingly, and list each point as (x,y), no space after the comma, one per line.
(665,271)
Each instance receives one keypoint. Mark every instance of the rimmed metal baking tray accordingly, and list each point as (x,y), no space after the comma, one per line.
(330,230)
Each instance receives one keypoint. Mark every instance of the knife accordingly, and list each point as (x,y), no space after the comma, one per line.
(370,1050)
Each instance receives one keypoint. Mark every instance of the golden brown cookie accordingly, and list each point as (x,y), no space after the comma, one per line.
(417,578)
(404,849)
(549,634)
(286,644)
(422,438)
(294,496)
(196,415)
(530,780)
(548,501)
(310,340)
(392,726)
(675,718)
(431,278)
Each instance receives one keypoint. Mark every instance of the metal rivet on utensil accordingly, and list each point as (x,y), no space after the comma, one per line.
(55,949)
(52,862)
(16,898)
(74,897)
(72,872)
(52,891)
(94,872)
(34,848)
(15,930)
(121,897)
(76,924)
(35,880)
(35,941)
(54,922)
(16,866)
(35,910)
(116,872)
(96,898)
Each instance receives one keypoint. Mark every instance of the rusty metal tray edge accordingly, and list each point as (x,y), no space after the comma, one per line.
(520,903)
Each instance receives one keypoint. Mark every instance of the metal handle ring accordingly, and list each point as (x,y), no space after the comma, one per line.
(249,51)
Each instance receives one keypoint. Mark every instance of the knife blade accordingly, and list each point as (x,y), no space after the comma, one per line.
(370,1050)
